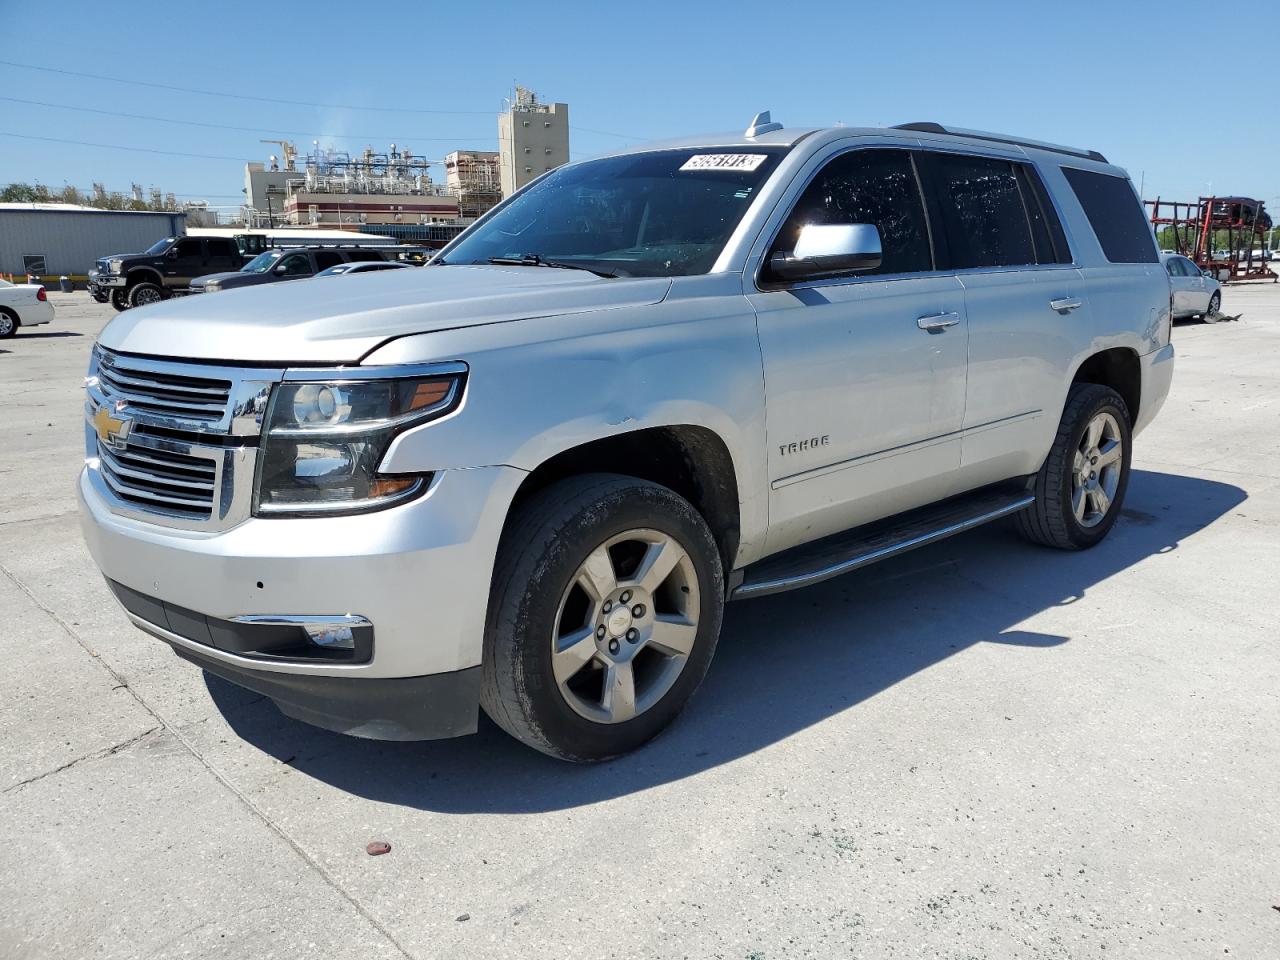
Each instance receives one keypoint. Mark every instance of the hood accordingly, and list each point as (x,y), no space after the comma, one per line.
(210,277)
(308,322)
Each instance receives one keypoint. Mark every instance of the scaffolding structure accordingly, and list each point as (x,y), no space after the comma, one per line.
(474,177)
(1223,235)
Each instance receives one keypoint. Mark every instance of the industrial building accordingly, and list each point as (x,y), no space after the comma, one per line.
(48,240)
(533,137)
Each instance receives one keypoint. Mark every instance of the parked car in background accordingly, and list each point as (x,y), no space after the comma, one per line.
(22,305)
(414,256)
(363,267)
(291,263)
(529,475)
(165,268)
(1195,293)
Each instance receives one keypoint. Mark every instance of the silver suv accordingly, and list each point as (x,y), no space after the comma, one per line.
(528,476)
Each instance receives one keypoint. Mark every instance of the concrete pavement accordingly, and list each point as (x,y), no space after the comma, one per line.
(982,749)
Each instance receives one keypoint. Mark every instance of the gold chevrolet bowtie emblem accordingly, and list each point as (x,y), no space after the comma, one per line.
(113,431)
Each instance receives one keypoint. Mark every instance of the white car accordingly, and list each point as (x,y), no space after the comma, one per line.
(22,305)
(1195,292)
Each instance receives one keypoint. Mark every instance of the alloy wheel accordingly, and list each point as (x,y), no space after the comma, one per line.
(1095,477)
(626,626)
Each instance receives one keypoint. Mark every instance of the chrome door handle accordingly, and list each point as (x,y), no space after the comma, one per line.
(1065,304)
(938,322)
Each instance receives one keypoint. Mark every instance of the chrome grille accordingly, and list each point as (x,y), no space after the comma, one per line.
(145,389)
(155,479)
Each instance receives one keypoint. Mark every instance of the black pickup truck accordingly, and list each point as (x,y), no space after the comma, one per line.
(167,267)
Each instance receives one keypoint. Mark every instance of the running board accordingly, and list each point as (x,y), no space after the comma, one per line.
(830,557)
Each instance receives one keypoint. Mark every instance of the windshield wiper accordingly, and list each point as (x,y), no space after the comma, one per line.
(534,260)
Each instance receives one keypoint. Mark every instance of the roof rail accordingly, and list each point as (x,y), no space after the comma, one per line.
(928,126)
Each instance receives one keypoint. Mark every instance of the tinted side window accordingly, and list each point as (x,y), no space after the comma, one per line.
(326,259)
(1115,215)
(1173,266)
(867,186)
(295,265)
(363,256)
(1046,229)
(189,248)
(983,215)
(219,248)
(1189,268)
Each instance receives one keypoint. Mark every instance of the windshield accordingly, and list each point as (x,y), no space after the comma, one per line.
(160,246)
(262,262)
(662,214)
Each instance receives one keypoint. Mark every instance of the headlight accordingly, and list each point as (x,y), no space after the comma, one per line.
(212,287)
(325,439)
(117,266)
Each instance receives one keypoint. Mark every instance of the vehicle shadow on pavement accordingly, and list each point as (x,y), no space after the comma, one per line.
(50,334)
(784,663)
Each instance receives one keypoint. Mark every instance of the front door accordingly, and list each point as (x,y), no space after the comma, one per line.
(186,260)
(864,375)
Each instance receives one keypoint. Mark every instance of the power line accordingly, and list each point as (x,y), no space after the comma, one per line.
(242,96)
(116,146)
(223,126)
(292,103)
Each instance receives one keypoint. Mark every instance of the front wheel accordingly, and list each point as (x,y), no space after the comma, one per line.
(1215,304)
(604,614)
(1082,483)
(143,294)
(120,299)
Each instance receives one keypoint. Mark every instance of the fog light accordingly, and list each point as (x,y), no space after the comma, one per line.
(331,636)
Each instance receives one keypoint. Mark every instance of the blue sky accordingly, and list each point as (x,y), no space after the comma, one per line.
(1089,74)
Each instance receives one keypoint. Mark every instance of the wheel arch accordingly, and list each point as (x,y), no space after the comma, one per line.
(139,275)
(692,460)
(1118,368)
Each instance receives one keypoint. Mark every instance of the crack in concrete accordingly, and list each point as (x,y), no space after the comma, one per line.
(235,791)
(94,755)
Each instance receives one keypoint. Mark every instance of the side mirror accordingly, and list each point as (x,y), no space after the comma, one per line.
(171,253)
(280,270)
(829,250)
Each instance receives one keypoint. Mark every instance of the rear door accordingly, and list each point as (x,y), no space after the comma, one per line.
(1023,298)
(326,259)
(222,254)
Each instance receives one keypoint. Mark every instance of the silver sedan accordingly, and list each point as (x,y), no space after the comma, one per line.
(1195,292)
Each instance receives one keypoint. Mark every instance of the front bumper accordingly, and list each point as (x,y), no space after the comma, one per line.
(106,280)
(419,573)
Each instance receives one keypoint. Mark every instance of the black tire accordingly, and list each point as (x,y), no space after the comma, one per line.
(1215,304)
(539,556)
(1051,521)
(120,299)
(9,323)
(142,294)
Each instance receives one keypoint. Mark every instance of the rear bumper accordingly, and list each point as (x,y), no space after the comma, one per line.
(34,314)
(1157,375)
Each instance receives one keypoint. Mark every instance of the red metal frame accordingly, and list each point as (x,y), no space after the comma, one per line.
(1194,224)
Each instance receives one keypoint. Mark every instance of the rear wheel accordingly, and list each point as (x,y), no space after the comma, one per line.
(8,323)
(604,615)
(143,294)
(1082,483)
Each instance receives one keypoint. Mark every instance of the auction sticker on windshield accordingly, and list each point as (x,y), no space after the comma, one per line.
(724,161)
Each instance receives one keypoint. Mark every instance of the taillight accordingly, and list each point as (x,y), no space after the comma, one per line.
(40,294)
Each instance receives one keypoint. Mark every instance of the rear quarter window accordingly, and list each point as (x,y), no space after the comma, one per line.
(1115,215)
